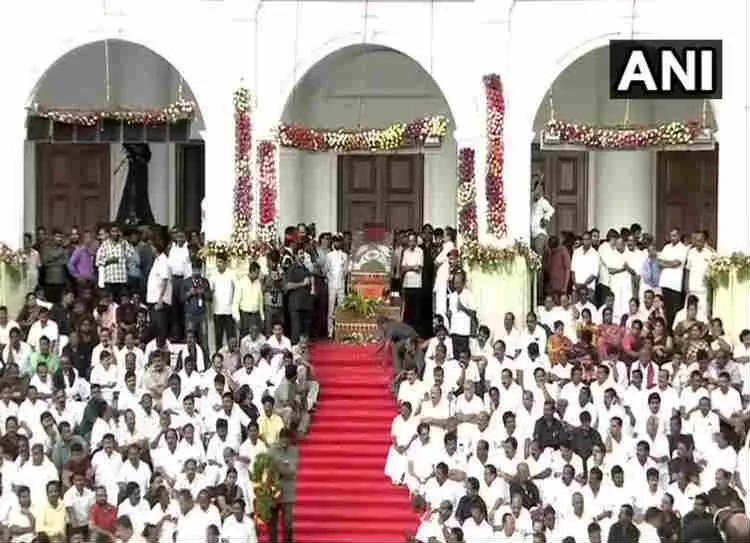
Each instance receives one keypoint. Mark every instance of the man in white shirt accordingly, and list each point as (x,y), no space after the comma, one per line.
(461,313)
(44,327)
(337,267)
(585,264)
(672,262)
(159,290)
(238,527)
(698,258)
(541,213)
(412,262)
(222,289)
(6,325)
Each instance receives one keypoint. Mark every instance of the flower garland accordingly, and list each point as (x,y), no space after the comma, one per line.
(720,267)
(238,250)
(267,154)
(243,187)
(396,136)
(466,194)
(624,138)
(491,259)
(494,189)
(176,111)
(267,486)
(10,257)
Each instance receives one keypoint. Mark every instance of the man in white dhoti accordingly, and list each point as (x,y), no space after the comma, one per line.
(337,266)
(620,279)
(421,457)
(403,434)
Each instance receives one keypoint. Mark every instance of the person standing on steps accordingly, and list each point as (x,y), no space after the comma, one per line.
(337,266)
(298,287)
(287,461)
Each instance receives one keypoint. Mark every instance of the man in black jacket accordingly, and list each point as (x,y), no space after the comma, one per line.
(624,531)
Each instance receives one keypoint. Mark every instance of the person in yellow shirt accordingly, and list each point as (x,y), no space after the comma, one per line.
(248,300)
(270,424)
(52,517)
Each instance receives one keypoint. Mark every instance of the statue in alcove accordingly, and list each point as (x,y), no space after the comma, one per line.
(135,209)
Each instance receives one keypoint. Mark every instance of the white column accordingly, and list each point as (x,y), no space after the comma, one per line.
(624,180)
(12,159)
(219,138)
(517,174)
(734,189)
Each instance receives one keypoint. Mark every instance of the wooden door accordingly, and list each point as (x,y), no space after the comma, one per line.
(191,184)
(565,175)
(380,189)
(72,185)
(687,187)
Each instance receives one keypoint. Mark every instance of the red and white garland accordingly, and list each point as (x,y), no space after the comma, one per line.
(243,187)
(494,184)
(267,160)
(466,195)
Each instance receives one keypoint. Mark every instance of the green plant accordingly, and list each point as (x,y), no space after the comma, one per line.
(267,486)
(362,306)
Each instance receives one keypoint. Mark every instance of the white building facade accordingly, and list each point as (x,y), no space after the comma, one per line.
(355,63)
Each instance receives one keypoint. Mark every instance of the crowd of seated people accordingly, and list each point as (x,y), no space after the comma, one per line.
(116,420)
(615,413)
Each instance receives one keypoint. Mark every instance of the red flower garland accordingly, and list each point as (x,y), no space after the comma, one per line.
(243,187)
(399,135)
(466,195)
(267,154)
(494,188)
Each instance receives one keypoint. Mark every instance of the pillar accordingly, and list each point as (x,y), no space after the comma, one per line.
(517,175)
(12,158)
(220,179)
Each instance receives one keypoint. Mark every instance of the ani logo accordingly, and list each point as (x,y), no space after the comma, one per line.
(675,69)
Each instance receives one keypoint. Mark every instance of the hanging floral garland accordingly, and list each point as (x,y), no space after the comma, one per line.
(243,185)
(491,259)
(396,136)
(466,195)
(625,138)
(177,111)
(267,160)
(235,250)
(720,267)
(494,189)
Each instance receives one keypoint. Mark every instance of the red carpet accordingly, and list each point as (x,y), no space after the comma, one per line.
(342,492)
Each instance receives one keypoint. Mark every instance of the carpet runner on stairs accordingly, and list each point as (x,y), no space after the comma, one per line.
(342,492)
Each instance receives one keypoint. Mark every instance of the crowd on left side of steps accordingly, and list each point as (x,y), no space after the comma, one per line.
(136,393)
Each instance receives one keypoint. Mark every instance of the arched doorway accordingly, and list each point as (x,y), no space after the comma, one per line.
(75,170)
(367,86)
(598,186)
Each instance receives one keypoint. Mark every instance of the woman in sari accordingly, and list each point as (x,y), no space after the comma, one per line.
(610,334)
(319,327)
(693,342)
(587,323)
(718,338)
(632,341)
(663,344)
(558,345)
(227,492)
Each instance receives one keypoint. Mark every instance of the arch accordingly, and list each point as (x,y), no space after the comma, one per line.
(565,61)
(52,56)
(388,41)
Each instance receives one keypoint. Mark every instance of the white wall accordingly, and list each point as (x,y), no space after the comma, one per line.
(621,184)
(370,88)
